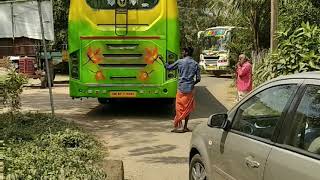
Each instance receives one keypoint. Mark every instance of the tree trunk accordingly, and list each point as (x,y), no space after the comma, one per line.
(274,24)
(256,27)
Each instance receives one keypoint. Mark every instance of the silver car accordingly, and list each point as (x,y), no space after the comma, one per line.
(272,134)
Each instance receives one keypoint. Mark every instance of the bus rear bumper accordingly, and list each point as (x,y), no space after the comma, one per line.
(81,90)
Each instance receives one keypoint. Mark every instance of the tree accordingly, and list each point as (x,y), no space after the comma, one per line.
(195,16)
(60,16)
(257,15)
(297,52)
(13,87)
(294,12)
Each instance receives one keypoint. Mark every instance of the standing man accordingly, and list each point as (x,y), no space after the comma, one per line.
(189,76)
(244,77)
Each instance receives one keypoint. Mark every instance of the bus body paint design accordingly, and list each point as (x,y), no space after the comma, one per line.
(118,48)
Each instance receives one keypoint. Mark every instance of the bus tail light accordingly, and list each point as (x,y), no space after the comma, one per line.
(74,65)
(223,61)
(171,58)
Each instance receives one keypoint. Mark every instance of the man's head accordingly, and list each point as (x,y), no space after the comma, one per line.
(187,51)
(242,59)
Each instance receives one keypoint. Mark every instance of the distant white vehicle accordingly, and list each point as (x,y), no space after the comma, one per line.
(215,57)
(15,61)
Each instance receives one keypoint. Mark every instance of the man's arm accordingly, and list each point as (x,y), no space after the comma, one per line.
(172,66)
(198,75)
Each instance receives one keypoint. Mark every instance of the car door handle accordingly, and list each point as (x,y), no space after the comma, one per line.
(252,163)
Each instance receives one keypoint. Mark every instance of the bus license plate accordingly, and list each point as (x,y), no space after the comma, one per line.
(123,94)
(212,68)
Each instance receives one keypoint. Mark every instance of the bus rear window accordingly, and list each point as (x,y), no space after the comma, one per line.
(130,4)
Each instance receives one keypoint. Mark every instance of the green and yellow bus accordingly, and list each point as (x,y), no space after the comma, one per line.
(117,48)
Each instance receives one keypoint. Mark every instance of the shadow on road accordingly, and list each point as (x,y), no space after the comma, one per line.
(152,150)
(137,123)
(127,116)
(222,77)
(206,105)
(166,160)
(124,109)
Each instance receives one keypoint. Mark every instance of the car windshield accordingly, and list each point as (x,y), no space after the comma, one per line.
(216,40)
(215,43)
(131,4)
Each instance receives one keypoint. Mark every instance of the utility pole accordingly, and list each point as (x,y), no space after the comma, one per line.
(13,28)
(274,24)
(46,57)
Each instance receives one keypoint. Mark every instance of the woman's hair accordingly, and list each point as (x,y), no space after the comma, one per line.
(245,57)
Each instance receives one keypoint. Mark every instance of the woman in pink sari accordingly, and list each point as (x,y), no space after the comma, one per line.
(244,77)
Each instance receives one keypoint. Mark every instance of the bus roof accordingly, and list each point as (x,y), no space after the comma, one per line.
(221,27)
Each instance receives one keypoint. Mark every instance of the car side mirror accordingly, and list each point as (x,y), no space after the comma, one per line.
(218,121)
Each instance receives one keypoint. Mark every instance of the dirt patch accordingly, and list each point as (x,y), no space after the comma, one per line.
(114,169)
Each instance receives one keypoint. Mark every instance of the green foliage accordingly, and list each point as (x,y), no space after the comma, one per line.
(297,52)
(265,71)
(294,12)
(13,88)
(225,13)
(298,41)
(256,13)
(316,3)
(194,16)
(41,147)
(60,16)
(28,127)
(49,158)
(240,43)
(254,17)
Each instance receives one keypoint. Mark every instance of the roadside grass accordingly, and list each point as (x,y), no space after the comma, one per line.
(38,146)
(3,77)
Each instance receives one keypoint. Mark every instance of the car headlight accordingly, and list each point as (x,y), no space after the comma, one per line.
(222,58)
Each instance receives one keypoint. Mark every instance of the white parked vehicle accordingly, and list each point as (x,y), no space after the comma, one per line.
(215,57)
(272,134)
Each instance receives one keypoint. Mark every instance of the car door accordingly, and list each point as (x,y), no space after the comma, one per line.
(298,157)
(242,152)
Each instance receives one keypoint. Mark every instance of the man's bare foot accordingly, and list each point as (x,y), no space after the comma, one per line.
(187,130)
(177,131)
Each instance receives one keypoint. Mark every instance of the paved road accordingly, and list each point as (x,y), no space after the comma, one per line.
(138,132)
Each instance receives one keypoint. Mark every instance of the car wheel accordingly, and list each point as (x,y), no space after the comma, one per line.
(197,169)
